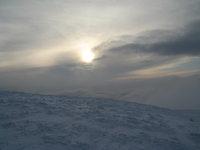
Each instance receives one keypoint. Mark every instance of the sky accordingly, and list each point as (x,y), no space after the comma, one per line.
(142,51)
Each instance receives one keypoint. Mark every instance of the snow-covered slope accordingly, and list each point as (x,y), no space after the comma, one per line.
(36,122)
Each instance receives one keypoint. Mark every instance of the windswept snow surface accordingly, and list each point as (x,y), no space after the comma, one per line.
(36,122)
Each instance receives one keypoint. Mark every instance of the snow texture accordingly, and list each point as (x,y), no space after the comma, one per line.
(42,122)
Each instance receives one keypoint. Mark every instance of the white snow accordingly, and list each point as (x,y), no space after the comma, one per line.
(39,122)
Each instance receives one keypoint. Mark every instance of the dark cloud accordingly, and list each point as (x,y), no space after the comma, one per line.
(183,42)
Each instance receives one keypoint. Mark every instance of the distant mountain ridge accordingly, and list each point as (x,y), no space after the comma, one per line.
(44,122)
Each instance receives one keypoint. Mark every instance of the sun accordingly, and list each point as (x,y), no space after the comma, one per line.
(87,55)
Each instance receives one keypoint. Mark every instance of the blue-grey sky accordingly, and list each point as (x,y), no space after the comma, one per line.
(141,50)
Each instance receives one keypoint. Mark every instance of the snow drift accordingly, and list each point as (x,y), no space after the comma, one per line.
(39,122)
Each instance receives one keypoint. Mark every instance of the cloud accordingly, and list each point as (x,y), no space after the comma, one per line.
(149,54)
(185,41)
(39,49)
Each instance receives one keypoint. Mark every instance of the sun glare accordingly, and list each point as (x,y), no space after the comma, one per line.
(87,55)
